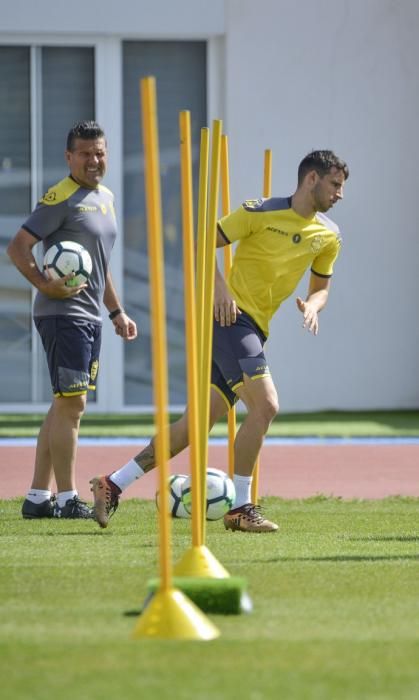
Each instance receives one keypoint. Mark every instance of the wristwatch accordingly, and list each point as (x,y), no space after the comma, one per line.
(116,313)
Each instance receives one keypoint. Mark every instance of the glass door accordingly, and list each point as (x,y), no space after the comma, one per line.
(43,92)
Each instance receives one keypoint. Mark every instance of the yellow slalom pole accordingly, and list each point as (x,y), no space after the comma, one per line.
(158,314)
(267,173)
(190,321)
(169,614)
(267,191)
(201,239)
(198,561)
(208,315)
(228,259)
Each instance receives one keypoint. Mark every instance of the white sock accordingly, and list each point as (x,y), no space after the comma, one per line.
(243,486)
(125,476)
(38,495)
(64,496)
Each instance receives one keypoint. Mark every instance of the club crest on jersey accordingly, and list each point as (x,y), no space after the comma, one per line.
(316,244)
(296,238)
(49,197)
(253,204)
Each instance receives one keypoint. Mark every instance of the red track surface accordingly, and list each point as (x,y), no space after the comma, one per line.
(290,471)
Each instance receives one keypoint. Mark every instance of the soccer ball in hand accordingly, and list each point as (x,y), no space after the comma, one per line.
(65,257)
(221,494)
(176,507)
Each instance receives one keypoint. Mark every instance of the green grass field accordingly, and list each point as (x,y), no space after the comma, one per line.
(335,593)
(321,424)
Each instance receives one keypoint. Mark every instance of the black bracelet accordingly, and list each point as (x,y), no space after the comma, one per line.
(115,313)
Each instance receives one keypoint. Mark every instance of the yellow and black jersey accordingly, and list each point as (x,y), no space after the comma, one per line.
(275,248)
(69,212)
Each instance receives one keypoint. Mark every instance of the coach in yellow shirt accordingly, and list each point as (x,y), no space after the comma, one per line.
(278,239)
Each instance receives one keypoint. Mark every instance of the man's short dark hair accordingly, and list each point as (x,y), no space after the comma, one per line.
(321,162)
(84,130)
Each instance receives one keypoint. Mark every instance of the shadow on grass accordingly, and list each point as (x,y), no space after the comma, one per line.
(385,538)
(78,533)
(340,558)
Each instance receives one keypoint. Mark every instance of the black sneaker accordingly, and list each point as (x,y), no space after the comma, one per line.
(38,510)
(74,508)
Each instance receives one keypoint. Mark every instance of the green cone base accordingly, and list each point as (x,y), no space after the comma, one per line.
(223,596)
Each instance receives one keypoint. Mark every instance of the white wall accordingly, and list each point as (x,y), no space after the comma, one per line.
(133,18)
(338,74)
(293,75)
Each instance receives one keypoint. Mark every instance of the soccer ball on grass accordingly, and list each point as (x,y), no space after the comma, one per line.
(221,494)
(176,507)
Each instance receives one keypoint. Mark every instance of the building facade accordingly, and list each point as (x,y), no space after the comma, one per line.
(281,75)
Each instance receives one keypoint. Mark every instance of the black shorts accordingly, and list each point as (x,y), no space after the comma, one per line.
(237,350)
(72,347)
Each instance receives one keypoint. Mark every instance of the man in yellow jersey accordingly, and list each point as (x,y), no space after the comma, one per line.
(278,240)
(68,319)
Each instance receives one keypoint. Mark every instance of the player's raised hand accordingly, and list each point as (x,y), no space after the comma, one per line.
(310,315)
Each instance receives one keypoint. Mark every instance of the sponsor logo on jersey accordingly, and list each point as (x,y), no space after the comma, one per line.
(296,238)
(277,230)
(84,207)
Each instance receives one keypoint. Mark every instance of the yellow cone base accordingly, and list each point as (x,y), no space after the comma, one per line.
(171,615)
(198,561)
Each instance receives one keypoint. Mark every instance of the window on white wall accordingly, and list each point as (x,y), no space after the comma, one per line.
(15,200)
(180,71)
(43,91)
(68,96)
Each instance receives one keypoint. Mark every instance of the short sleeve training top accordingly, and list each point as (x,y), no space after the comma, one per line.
(275,248)
(69,212)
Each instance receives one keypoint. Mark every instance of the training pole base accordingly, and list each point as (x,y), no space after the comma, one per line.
(171,615)
(219,596)
(198,561)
